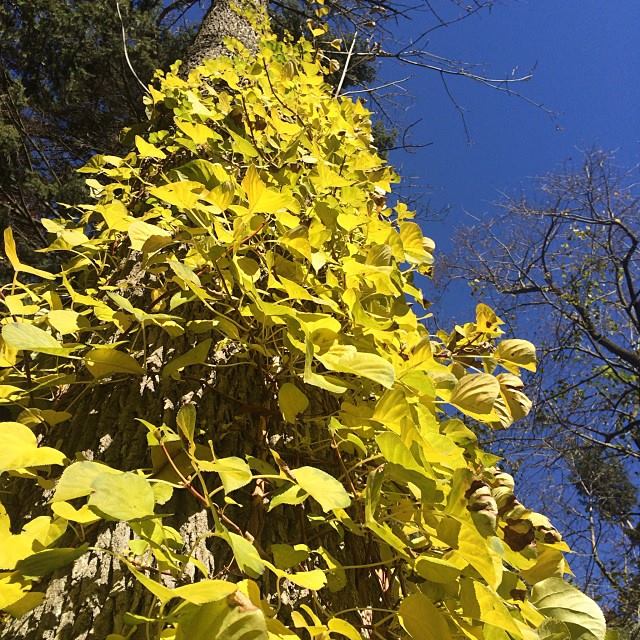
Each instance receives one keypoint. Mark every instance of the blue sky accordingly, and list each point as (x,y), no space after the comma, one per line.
(586,55)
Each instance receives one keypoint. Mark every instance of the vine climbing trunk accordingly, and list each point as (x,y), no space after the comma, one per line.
(224,19)
(89,599)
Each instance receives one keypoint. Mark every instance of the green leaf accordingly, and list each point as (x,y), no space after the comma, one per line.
(164,594)
(77,480)
(104,362)
(560,601)
(44,562)
(556,630)
(125,496)
(286,556)
(197,355)
(422,620)
(439,570)
(186,421)
(234,618)
(291,401)
(246,555)
(234,472)
(291,495)
(19,449)
(323,487)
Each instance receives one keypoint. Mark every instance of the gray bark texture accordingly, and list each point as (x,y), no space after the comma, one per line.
(225,18)
(88,600)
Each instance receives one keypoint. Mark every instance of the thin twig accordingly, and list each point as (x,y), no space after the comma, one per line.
(126,53)
(346,65)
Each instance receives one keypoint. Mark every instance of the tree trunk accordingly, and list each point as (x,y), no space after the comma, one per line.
(221,22)
(89,599)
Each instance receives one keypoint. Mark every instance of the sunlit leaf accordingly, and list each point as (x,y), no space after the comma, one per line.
(123,496)
(475,393)
(234,472)
(19,449)
(347,359)
(104,362)
(422,619)
(323,487)
(205,591)
(559,600)
(12,255)
(147,150)
(234,618)
(520,353)
(23,336)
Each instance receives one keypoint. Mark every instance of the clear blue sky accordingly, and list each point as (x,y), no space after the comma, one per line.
(587,58)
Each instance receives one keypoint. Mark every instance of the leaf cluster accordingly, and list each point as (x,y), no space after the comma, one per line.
(247,233)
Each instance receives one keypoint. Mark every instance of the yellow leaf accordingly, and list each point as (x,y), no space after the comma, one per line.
(314,579)
(417,248)
(12,254)
(475,393)
(516,353)
(197,132)
(116,215)
(487,321)
(347,359)
(291,401)
(104,361)
(476,551)
(261,198)
(139,232)
(197,355)
(422,619)
(205,591)
(183,194)
(83,515)
(64,321)
(323,487)
(19,449)
(344,628)
(147,150)
(23,336)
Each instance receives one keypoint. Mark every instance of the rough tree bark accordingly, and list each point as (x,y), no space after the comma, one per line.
(88,600)
(223,19)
